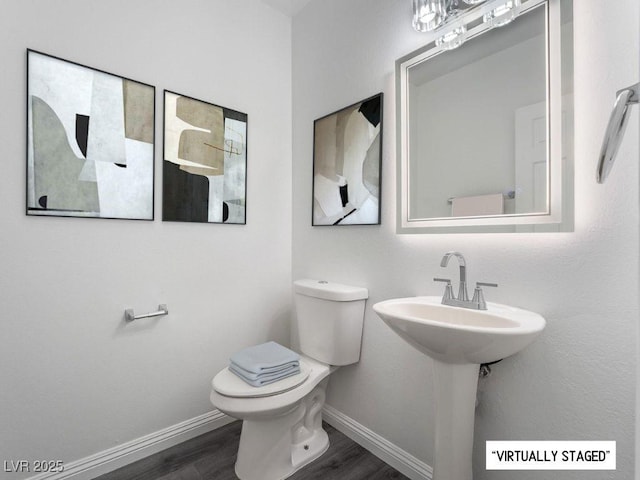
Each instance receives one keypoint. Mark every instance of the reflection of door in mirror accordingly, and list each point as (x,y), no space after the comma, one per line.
(531,159)
(532,174)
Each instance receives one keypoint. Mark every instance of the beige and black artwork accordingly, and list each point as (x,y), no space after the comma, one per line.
(205,162)
(90,142)
(346,165)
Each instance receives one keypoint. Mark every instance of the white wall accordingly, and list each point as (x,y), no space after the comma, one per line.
(577,380)
(75,379)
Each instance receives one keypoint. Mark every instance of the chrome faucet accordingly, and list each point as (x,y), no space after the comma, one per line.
(462,289)
(478,302)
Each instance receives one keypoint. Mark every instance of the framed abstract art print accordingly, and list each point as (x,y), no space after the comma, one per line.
(347,147)
(205,162)
(90,141)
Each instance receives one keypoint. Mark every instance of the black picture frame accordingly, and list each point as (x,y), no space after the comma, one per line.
(347,165)
(204,161)
(90,142)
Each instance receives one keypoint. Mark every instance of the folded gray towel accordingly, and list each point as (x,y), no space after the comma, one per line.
(264,379)
(256,376)
(265,358)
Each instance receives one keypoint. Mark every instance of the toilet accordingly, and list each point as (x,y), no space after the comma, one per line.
(282,422)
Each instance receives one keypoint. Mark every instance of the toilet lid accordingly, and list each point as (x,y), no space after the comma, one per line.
(229,384)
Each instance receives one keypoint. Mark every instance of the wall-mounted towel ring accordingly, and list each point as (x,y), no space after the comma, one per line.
(615,130)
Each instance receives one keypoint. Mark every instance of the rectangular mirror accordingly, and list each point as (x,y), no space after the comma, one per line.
(485,130)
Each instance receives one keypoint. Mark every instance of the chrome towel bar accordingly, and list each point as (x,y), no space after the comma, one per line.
(615,129)
(129,316)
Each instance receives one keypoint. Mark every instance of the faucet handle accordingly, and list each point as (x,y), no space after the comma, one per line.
(448,289)
(478,296)
(445,280)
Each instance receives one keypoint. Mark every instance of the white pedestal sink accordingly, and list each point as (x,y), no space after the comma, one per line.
(458,340)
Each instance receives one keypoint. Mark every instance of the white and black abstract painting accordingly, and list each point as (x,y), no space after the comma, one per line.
(205,162)
(346,165)
(90,142)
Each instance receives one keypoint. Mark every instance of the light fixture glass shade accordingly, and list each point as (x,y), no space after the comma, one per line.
(503,15)
(453,38)
(428,14)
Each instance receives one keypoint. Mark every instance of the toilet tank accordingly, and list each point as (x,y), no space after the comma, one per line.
(330,317)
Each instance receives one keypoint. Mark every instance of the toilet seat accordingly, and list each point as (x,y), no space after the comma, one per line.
(276,404)
(229,384)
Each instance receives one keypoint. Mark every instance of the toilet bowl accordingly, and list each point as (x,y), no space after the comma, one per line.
(282,422)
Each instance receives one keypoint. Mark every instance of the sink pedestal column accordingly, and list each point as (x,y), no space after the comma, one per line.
(455,388)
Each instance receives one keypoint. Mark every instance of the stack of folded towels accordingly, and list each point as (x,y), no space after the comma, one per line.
(264,364)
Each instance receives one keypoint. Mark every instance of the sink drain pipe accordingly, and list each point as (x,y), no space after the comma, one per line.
(485,369)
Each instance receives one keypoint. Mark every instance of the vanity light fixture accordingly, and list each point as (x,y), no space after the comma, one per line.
(502,15)
(429,14)
(453,38)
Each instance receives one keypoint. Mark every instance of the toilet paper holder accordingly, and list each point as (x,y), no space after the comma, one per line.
(130,316)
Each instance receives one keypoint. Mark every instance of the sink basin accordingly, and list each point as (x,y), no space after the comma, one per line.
(460,335)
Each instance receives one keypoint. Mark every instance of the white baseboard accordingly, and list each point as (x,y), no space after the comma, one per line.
(391,454)
(108,460)
(116,457)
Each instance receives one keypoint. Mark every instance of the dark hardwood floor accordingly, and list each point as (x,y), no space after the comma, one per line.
(212,456)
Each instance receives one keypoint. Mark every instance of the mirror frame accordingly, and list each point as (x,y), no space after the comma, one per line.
(559,216)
